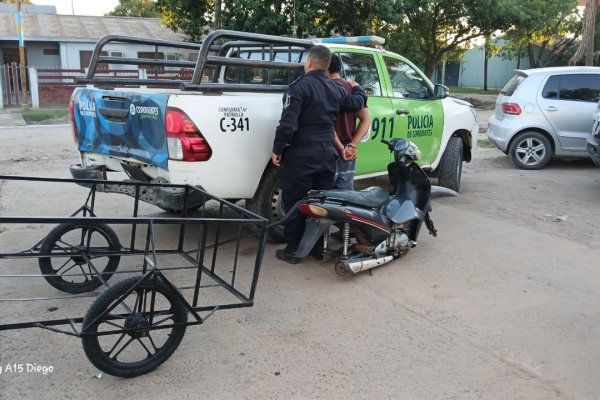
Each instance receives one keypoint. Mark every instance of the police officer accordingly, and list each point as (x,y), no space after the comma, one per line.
(304,139)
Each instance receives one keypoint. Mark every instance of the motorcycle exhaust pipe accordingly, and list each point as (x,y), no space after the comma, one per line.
(344,267)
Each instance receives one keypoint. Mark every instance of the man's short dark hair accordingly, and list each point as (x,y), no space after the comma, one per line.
(335,66)
(320,56)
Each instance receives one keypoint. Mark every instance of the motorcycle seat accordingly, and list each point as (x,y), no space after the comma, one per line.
(372,197)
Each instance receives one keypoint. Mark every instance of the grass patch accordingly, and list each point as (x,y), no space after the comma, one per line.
(486,143)
(464,90)
(36,116)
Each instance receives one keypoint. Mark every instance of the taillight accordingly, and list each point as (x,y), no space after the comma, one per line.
(310,210)
(511,108)
(72,117)
(184,140)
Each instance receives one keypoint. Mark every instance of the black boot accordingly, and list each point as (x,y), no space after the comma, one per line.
(288,254)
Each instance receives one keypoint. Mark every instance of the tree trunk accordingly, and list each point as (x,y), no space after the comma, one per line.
(590,29)
(430,67)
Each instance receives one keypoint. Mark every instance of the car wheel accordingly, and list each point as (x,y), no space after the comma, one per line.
(268,203)
(450,170)
(530,150)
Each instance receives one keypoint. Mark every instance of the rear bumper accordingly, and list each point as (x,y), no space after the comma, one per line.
(593,148)
(500,133)
(164,197)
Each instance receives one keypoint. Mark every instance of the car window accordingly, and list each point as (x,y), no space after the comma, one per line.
(513,84)
(406,81)
(362,69)
(261,75)
(574,87)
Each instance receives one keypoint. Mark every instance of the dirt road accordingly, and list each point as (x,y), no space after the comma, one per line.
(503,304)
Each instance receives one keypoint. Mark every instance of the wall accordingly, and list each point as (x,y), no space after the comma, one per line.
(36,57)
(55,95)
(499,70)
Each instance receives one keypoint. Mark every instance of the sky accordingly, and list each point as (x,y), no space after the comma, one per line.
(81,7)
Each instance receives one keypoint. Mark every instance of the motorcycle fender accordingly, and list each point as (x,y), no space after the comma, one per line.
(313,230)
(401,209)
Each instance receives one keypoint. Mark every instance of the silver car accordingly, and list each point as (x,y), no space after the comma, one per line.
(545,112)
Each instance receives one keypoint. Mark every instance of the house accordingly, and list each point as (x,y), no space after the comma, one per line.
(61,46)
(67,41)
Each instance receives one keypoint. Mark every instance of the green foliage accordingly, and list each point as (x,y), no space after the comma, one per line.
(135,8)
(544,30)
(440,29)
(192,17)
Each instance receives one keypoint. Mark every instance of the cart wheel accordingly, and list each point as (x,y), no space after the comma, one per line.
(74,274)
(128,336)
(341,269)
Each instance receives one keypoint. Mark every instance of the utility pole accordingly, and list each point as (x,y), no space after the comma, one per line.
(22,66)
(218,14)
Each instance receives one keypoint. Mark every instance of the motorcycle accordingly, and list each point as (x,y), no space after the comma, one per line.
(376,225)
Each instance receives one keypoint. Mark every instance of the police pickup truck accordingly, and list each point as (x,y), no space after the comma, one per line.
(211,122)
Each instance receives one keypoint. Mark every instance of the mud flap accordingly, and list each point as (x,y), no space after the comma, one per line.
(313,230)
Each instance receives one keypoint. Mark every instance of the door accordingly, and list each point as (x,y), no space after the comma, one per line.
(568,102)
(411,92)
(361,66)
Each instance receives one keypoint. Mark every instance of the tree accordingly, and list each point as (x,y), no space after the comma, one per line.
(586,45)
(439,29)
(136,8)
(545,29)
(192,17)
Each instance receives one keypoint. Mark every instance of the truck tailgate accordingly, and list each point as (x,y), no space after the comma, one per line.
(122,124)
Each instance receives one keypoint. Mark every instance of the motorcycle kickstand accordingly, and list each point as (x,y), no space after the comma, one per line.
(429,225)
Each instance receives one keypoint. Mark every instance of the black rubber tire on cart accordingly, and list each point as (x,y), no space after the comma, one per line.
(138,349)
(530,150)
(450,168)
(70,274)
(268,202)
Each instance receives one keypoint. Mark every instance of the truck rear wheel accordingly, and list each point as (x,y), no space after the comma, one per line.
(268,202)
(450,168)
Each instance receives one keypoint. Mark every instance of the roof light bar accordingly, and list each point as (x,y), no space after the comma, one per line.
(364,40)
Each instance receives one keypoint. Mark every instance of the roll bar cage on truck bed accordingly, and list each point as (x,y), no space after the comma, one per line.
(213,56)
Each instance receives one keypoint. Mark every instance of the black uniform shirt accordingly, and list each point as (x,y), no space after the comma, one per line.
(310,106)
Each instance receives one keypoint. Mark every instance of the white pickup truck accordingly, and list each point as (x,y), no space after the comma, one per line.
(212,123)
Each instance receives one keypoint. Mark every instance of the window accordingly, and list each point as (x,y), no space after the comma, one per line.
(261,75)
(118,54)
(362,69)
(84,60)
(513,84)
(575,87)
(406,81)
(51,52)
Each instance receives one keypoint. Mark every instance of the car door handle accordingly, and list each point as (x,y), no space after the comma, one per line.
(402,111)
(551,108)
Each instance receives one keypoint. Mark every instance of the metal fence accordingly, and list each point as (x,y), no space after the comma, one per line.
(12,87)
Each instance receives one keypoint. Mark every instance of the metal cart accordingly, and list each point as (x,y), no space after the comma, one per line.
(175,271)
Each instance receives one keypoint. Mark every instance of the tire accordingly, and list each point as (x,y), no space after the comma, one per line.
(450,169)
(530,150)
(134,347)
(268,202)
(85,239)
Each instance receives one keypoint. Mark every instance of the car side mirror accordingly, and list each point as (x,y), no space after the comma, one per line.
(440,91)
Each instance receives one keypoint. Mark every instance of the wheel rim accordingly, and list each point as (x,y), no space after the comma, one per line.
(135,334)
(530,151)
(86,243)
(276,209)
